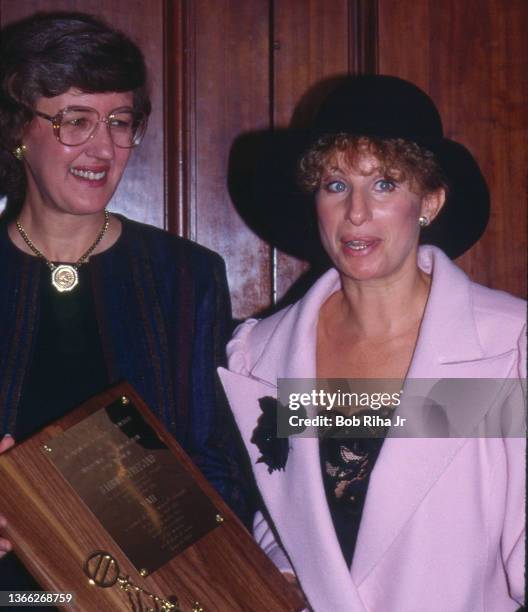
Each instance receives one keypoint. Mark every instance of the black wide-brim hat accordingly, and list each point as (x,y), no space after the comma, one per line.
(380,107)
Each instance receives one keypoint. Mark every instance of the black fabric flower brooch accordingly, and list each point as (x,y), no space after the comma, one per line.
(274,450)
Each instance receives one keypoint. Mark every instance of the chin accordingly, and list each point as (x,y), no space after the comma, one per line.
(360,269)
(91,209)
(90,201)
(90,205)
(361,276)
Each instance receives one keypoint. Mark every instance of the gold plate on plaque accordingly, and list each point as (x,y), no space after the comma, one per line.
(133,484)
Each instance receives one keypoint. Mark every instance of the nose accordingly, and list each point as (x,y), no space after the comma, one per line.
(358,210)
(100,144)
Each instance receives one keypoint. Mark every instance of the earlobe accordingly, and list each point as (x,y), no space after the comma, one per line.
(432,204)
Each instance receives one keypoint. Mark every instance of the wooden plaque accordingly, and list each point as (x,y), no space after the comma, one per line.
(104,503)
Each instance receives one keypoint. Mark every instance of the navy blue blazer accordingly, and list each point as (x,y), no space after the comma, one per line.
(163,313)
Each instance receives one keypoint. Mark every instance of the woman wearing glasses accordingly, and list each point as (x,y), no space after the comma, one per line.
(88,298)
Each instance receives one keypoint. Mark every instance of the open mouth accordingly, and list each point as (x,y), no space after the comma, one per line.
(358,245)
(89,175)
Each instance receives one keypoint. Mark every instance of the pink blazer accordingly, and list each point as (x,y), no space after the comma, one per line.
(443,522)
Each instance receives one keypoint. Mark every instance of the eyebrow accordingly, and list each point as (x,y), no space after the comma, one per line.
(332,170)
(122,108)
(81,107)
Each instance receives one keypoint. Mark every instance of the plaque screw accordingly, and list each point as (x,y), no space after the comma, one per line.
(125,400)
(143,572)
(219,518)
(47,448)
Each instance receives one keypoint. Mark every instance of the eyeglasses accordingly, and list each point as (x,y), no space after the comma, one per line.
(75,125)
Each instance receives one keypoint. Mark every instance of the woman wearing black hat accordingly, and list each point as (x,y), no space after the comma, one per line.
(433,521)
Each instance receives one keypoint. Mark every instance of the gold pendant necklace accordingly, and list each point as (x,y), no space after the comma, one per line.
(64,277)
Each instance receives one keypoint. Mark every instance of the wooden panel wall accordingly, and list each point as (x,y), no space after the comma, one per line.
(228,90)
(252,61)
(310,43)
(471,57)
(249,64)
(222,70)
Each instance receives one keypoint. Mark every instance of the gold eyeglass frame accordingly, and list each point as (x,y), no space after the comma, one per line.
(56,122)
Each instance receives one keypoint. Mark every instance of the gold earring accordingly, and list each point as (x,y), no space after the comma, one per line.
(19,151)
(423,221)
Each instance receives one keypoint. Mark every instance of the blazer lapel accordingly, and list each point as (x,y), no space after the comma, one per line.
(295,497)
(448,347)
(296,502)
(289,351)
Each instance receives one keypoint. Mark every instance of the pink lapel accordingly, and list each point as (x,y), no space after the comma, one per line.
(448,347)
(296,502)
(295,497)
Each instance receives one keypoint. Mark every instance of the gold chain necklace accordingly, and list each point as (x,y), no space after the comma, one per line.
(65,277)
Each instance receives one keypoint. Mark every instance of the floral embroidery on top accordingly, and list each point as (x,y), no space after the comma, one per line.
(347,467)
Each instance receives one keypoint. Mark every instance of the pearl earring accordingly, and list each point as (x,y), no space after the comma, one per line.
(423,221)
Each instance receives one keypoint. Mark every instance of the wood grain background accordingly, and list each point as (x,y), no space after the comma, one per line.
(222,69)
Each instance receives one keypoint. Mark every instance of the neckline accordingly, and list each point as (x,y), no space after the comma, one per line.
(30,257)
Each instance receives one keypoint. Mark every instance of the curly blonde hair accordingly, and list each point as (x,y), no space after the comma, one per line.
(399,159)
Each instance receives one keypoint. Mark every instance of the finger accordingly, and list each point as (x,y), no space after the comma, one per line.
(6,443)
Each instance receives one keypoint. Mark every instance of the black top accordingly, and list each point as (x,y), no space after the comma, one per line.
(68,364)
(67,368)
(346,465)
